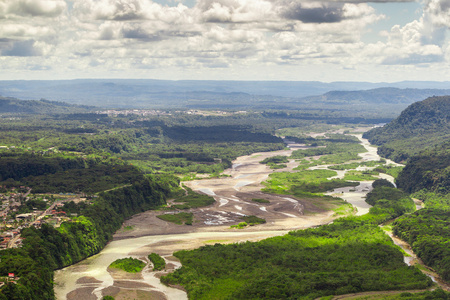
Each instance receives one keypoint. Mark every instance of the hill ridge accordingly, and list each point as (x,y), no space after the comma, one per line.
(422,125)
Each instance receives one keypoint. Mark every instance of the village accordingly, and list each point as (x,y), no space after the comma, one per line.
(19,210)
(152,112)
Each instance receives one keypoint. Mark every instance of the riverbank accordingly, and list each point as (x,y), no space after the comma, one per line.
(144,233)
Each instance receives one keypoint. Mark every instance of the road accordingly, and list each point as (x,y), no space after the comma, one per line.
(13,241)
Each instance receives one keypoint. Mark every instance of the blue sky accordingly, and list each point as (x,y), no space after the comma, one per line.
(225,39)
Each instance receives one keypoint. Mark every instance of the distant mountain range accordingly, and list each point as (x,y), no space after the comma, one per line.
(386,98)
(67,89)
(383,95)
(12,105)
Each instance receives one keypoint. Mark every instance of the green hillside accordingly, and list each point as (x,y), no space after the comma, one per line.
(420,135)
(13,105)
(421,126)
(429,170)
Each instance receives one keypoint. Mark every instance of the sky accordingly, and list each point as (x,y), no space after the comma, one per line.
(296,40)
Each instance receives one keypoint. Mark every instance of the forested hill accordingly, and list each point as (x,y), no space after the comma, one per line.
(13,105)
(421,126)
(385,95)
(429,170)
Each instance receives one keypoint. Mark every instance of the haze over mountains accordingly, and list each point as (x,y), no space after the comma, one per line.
(129,93)
(13,105)
(59,89)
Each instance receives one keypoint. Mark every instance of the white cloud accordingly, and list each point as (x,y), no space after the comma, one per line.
(420,42)
(126,10)
(42,8)
(106,36)
(109,31)
(108,9)
(235,11)
(23,48)
(14,30)
(438,12)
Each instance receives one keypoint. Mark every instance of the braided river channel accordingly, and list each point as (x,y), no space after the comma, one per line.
(144,233)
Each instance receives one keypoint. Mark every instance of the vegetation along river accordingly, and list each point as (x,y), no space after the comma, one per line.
(144,233)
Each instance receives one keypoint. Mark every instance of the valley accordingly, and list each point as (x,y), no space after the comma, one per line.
(263,196)
(91,279)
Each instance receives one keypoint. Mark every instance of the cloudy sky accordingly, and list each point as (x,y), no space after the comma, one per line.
(334,40)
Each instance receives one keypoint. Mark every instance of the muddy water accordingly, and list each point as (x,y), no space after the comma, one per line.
(96,266)
(246,171)
(245,174)
(410,258)
(356,195)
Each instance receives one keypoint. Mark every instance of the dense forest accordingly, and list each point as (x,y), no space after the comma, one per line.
(421,126)
(179,143)
(127,164)
(58,173)
(48,248)
(289,269)
(429,170)
(97,154)
(389,200)
(360,257)
(428,231)
(182,144)
(420,136)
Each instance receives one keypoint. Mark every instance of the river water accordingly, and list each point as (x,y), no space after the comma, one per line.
(96,266)
(356,195)
(70,279)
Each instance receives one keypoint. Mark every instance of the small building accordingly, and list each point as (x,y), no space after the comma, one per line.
(27,216)
(4,244)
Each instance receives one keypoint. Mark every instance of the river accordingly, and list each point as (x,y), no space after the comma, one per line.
(91,279)
(356,195)
(68,280)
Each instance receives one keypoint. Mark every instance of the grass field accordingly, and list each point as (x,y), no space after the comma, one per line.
(179,218)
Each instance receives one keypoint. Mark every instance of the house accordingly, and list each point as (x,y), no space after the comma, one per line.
(24,216)
(38,224)
(4,244)
(15,204)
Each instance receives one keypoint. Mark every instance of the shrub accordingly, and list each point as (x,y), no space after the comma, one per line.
(129,264)
(158,262)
